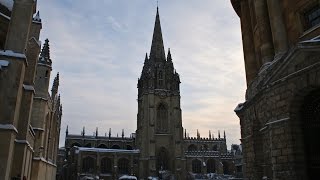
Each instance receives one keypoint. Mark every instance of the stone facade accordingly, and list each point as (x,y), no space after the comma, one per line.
(29,116)
(160,147)
(280,117)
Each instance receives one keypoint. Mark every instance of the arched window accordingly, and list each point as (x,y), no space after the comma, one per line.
(205,147)
(123,166)
(192,147)
(88,164)
(196,166)
(162,159)
(115,146)
(211,166)
(47,74)
(162,119)
(160,78)
(102,146)
(310,116)
(106,165)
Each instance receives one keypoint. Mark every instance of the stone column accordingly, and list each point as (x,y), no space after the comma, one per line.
(262,17)
(250,60)
(278,29)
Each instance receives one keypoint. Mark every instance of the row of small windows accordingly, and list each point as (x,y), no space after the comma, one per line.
(115,146)
(88,165)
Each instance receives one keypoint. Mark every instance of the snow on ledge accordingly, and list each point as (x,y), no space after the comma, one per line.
(4,63)
(28,87)
(239,107)
(12,54)
(128,177)
(8,127)
(106,150)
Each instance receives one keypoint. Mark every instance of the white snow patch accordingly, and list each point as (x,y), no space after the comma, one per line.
(239,107)
(7,3)
(5,16)
(4,63)
(125,177)
(12,54)
(8,127)
(28,87)
(107,150)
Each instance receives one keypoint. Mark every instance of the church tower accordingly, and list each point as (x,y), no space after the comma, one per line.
(159,123)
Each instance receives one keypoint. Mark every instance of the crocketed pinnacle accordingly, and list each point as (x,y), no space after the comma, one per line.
(45,53)
(157,49)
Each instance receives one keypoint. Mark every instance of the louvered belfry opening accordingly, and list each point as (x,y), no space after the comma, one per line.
(311,131)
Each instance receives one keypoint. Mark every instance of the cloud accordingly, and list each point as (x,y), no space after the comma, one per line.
(99,48)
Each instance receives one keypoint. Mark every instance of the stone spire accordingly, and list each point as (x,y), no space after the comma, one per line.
(67,131)
(45,54)
(169,58)
(157,48)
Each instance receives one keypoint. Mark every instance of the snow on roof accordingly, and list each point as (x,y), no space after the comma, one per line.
(8,127)
(125,177)
(5,16)
(7,3)
(239,107)
(28,87)
(107,150)
(12,54)
(4,63)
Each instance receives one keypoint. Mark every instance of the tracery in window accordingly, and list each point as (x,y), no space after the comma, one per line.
(162,119)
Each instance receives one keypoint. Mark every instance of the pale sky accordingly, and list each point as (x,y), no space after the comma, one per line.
(98,46)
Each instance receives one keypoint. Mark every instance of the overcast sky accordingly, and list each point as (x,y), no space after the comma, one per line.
(98,46)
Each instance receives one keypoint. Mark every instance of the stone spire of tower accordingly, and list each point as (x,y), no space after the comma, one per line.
(67,131)
(209,134)
(224,134)
(169,58)
(157,47)
(219,134)
(122,133)
(109,132)
(45,54)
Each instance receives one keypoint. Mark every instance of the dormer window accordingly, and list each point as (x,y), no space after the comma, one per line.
(312,17)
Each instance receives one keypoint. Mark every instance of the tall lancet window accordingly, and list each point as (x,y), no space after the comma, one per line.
(162,119)
(160,79)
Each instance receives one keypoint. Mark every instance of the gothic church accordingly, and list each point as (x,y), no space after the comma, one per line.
(159,148)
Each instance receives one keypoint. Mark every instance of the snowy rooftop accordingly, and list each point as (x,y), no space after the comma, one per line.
(85,149)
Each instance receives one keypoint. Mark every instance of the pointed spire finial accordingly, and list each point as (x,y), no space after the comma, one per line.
(96,131)
(109,132)
(185,133)
(67,131)
(45,53)
(37,17)
(83,131)
(122,134)
(157,47)
(224,134)
(209,134)
(169,58)
(219,134)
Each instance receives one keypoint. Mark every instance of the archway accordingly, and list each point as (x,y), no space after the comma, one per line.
(102,146)
(162,159)
(196,166)
(310,117)
(211,166)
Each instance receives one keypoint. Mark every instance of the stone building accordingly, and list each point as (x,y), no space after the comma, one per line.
(30,117)
(280,119)
(160,147)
